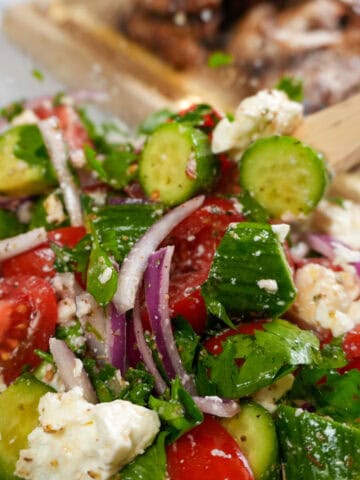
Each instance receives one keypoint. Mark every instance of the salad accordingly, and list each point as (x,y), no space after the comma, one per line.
(182,302)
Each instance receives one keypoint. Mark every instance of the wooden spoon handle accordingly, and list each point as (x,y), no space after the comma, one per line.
(335,132)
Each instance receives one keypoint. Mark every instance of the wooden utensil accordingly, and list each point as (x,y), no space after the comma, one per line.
(335,131)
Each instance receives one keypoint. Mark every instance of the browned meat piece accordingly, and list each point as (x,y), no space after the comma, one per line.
(171,42)
(172,6)
(318,41)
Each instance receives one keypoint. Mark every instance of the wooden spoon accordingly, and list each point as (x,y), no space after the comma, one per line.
(335,131)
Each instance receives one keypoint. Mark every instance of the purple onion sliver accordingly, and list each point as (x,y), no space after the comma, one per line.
(133,355)
(157,276)
(217,406)
(322,244)
(145,351)
(71,369)
(135,262)
(117,340)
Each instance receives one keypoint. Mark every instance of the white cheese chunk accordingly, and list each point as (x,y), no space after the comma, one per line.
(77,440)
(281,230)
(340,221)
(269,112)
(327,300)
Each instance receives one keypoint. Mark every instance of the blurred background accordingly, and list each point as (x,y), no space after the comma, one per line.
(151,52)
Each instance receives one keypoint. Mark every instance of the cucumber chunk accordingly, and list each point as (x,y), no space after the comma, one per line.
(254,431)
(317,448)
(24,162)
(285,176)
(176,163)
(250,275)
(19,416)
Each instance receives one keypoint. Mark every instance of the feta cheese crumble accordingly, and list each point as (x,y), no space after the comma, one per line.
(77,440)
(327,300)
(268,284)
(340,221)
(269,112)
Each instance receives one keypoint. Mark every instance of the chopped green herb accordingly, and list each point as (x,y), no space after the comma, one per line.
(293,87)
(220,59)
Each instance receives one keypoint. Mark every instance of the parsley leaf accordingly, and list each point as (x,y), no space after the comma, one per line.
(177,410)
(264,357)
(220,59)
(293,87)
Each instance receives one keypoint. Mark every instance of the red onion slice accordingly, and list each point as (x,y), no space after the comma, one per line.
(135,262)
(327,246)
(214,405)
(94,323)
(145,351)
(71,369)
(133,356)
(322,244)
(116,338)
(58,154)
(157,276)
(22,243)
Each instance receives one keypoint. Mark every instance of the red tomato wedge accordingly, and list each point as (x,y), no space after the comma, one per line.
(74,131)
(207,452)
(351,344)
(195,240)
(28,312)
(40,261)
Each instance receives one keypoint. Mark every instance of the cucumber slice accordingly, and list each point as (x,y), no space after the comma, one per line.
(19,416)
(176,163)
(254,431)
(317,448)
(250,274)
(24,162)
(285,176)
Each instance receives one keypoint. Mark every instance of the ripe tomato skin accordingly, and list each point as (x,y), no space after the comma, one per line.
(30,309)
(351,344)
(40,260)
(73,130)
(195,240)
(207,452)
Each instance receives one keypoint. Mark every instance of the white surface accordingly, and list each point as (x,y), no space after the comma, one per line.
(16,78)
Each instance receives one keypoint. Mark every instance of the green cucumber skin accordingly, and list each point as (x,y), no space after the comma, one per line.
(284,175)
(317,448)
(254,430)
(118,227)
(179,185)
(19,416)
(248,253)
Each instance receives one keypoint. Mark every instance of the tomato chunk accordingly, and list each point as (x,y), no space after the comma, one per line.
(195,240)
(28,310)
(351,344)
(207,452)
(40,261)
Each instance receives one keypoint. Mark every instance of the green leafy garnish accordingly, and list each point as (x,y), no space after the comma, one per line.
(139,386)
(187,342)
(101,275)
(220,59)
(9,224)
(73,335)
(293,87)
(177,410)
(155,120)
(12,110)
(38,75)
(267,356)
